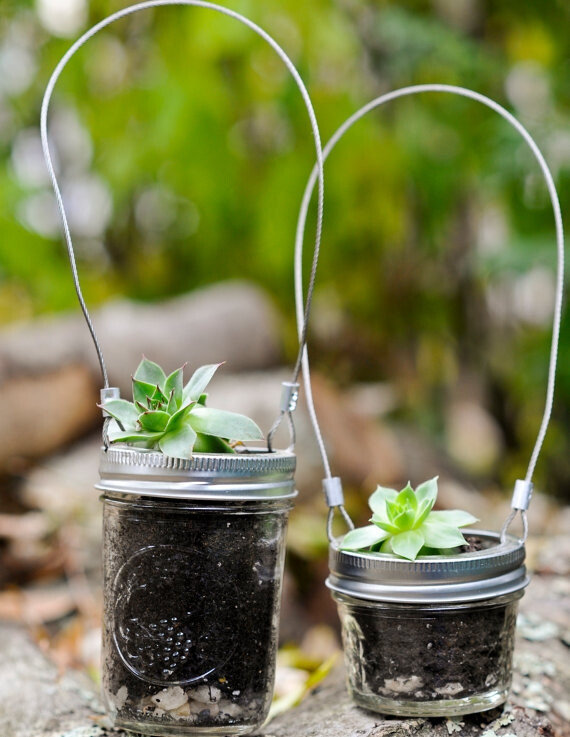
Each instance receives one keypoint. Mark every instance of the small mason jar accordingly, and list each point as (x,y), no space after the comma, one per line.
(193,554)
(434,636)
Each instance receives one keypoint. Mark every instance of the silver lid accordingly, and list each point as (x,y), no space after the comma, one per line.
(244,476)
(496,570)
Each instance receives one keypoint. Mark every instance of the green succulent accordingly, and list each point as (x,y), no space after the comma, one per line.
(172,417)
(404,524)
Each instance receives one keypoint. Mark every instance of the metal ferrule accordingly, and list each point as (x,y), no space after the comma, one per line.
(332,488)
(244,476)
(497,570)
(109,392)
(289,396)
(522,494)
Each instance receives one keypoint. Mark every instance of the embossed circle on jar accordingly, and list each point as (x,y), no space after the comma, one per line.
(174,618)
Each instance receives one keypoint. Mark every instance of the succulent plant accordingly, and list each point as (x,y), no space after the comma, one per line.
(403,523)
(167,415)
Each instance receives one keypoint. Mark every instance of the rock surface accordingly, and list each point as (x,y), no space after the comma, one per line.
(41,414)
(37,700)
(233,321)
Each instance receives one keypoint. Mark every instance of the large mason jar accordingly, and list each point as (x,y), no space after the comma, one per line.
(193,560)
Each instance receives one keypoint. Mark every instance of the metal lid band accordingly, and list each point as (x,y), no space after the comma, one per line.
(246,476)
(496,570)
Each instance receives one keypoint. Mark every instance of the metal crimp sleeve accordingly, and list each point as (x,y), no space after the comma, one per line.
(332,488)
(109,392)
(522,495)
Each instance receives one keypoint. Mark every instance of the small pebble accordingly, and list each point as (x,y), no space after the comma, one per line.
(205,694)
(196,707)
(182,712)
(402,684)
(170,699)
(120,698)
(454,725)
(450,689)
(230,709)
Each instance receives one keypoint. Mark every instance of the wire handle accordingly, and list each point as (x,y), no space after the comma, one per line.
(523,488)
(285,411)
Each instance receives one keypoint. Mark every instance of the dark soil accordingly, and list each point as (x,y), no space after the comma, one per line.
(191,606)
(437,654)
(473,544)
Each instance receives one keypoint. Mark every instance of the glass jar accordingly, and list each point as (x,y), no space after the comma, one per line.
(193,555)
(431,637)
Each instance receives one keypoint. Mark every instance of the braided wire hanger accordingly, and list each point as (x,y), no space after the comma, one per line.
(523,487)
(290,389)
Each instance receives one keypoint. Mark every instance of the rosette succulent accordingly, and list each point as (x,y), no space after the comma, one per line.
(172,417)
(403,523)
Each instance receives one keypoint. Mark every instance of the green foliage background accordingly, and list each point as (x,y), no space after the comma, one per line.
(193,108)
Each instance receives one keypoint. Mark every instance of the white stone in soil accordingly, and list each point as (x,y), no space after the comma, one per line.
(450,689)
(205,694)
(183,712)
(198,707)
(230,709)
(119,699)
(254,706)
(170,699)
(402,684)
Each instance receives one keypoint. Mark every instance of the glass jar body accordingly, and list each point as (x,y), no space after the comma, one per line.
(191,608)
(428,660)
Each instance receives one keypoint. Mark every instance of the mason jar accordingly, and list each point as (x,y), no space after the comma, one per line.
(434,636)
(193,554)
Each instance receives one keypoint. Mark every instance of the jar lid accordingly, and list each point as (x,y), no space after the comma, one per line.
(495,570)
(247,475)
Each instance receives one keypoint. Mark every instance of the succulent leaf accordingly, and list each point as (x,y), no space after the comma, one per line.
(407,544)
(173,405)
(178,418)
(407,497)
(173,386)
(229,425)
(424,508)
(392,510)
(405,519)
(150,372)
(198,382)
(363,537)
(142,390)
(379,498)
(454,517)
(158,399)
(440,535)
(407,526)
(384,524)
(146,439)
(123,411)
(211,444)
(427,492)
(154,420)
(178,443)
